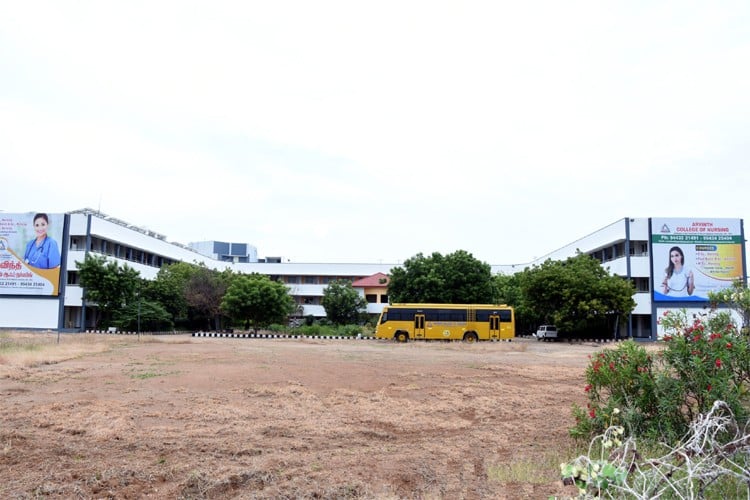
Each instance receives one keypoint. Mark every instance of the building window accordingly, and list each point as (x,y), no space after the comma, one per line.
(371,298)
(384,299)
(293,280)
(311,280)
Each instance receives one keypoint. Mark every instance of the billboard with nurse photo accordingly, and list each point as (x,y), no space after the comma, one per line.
(692,257)
(30,253)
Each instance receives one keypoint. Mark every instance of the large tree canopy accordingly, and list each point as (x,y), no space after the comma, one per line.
(255,299)
(576,294)
(456,278)
(343,304)
(204,291)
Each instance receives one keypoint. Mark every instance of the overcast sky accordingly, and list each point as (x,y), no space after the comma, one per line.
(351,131)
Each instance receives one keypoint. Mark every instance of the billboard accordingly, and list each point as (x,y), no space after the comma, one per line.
(30,253)
(692,257)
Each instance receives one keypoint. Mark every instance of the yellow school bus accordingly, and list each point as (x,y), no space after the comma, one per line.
(467,322)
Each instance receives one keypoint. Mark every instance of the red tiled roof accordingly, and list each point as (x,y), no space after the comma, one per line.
(374,280)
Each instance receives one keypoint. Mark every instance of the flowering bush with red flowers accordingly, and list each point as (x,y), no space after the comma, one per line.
(619,379)
(703,358)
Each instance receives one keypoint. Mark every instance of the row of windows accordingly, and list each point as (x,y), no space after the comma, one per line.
(124,252)
(641,286)
(107,247)
(372,298)
(313,280)
(637,249)
(120,251)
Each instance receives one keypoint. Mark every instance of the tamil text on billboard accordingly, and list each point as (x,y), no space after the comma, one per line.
(30,253)
(692,257)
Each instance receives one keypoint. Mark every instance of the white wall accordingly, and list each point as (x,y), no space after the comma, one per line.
(31,312)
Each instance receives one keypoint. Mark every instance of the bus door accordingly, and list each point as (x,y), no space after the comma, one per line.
(419,326)
(494,326)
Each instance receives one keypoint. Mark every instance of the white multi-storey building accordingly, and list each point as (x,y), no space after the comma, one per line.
(638,249)
(34,299)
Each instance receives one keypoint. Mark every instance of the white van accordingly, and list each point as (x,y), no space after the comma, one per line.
(546,332)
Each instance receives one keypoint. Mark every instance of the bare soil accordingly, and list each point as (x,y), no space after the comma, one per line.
(282,418)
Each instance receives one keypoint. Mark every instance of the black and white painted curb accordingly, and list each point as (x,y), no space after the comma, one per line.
(283,336)
(573,340)
(277,336)
(118,332)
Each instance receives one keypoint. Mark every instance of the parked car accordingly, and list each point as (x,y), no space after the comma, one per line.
(546,332)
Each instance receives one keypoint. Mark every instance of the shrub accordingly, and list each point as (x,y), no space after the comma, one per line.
(313,330)
(703,359)
(621,378)
(349,330)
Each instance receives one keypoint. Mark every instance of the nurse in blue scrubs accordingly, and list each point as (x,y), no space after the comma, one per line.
(42,252)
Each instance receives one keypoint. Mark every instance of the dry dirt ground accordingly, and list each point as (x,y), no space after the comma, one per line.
(189,417)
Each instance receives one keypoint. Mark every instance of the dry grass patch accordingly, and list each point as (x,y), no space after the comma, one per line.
(23,350)
(542,470)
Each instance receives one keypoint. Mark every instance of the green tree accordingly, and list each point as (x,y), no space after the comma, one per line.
(107,285)
(255,299)
(343,304)
(143,315)
(509,292)
(577,294)
(455,278)
(168,289)
(204,291)
(508,289)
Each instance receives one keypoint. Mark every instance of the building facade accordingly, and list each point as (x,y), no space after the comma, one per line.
(637,249)
(51,299)
(711,249)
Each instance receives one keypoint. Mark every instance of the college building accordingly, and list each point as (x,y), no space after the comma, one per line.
(35,294)
(712,251)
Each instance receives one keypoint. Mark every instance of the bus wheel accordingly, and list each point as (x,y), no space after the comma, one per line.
(470,337)
(401,337)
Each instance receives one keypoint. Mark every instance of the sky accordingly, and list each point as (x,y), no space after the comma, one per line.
(369,132)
